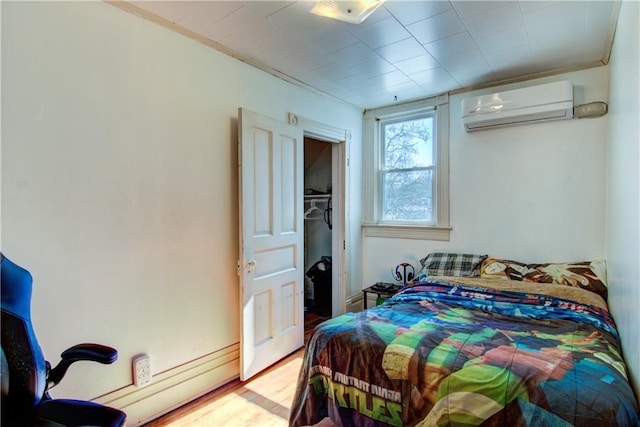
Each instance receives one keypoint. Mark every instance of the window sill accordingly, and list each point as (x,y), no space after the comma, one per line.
(407,231)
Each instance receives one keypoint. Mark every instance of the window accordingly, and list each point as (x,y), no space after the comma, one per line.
(406,170)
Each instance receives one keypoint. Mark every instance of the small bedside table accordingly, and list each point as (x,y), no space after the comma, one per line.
(381,289)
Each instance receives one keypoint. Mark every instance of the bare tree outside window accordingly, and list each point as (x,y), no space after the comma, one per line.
(408,170)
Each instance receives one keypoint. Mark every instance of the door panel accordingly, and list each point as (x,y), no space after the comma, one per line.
(271,241)
(275,261)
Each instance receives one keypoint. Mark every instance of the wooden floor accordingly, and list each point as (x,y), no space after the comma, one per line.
(265,400)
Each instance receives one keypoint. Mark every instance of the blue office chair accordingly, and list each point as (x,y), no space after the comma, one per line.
(27,377)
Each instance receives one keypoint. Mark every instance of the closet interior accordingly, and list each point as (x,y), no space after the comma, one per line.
(318,217)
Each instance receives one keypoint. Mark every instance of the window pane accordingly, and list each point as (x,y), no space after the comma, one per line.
(407,196)
(408,144)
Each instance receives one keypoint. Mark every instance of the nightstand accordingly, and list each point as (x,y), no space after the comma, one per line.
(382,290)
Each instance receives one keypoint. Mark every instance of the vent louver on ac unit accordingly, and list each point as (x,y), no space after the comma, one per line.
(551,101)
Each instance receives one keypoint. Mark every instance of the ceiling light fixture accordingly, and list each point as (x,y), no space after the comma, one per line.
(353,12)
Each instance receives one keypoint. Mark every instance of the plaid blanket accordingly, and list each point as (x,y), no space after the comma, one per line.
(450,264)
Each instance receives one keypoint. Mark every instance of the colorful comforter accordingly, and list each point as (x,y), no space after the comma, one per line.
(440,354)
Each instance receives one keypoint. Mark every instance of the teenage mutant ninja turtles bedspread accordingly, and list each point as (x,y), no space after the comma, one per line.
(441,354)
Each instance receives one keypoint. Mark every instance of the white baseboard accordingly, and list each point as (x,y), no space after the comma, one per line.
(354,303)
(173,388)
(180,385)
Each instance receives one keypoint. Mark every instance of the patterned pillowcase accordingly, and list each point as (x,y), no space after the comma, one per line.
(590,275)
(450,264)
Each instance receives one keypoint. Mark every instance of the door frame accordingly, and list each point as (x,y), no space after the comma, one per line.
(340,139)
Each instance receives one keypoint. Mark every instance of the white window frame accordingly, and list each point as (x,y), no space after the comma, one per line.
(373,142)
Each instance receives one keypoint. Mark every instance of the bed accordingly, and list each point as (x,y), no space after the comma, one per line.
(466,351)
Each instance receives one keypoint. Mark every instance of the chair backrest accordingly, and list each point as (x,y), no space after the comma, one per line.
(24,358)
(4,417)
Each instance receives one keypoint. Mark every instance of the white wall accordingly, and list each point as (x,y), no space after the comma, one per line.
(531,193)
(119,181)
(623,186)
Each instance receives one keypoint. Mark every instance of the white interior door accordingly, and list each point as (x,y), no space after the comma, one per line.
(271,264)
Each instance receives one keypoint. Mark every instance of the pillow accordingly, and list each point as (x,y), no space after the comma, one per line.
(589,275)
(451,264)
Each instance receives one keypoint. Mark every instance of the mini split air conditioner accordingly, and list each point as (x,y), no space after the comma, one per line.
(551,101)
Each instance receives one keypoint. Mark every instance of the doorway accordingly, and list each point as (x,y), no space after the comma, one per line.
(318,233)
(330,145)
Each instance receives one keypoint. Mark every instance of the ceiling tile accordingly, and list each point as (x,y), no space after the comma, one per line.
(304,59)
(354,54)
(494,21)
(356,99)
(599,16)
(446,45)
(467,9)
(382,33)
(352,82)
(417,64)
(457,43)
(555,37)
(473,76)
(239,43)
(202,16)
(430,77)
(563,14)
(441,86)
(333,72)
(242,21)
(171,11)
(555,53)
(331,40)
(372,91)
(437,27)
(509,57)
(276,45)
(512,72)
(404,92)
(510,62)
(297,20)
(266,8)
(377,98)
(502,41)
(401,50)
(531,5)
(387,80)
(463,60)
(319,82)
(594,48)
(378,15)
(373,68)
(409,12)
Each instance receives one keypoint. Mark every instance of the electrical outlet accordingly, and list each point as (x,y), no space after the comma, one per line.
(141,370)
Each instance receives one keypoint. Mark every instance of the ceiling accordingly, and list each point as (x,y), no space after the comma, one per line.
(405,50)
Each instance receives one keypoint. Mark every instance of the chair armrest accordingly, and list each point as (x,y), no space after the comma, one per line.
(88,352)
(91,352)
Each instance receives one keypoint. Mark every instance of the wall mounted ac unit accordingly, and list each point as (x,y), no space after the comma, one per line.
(551,101)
